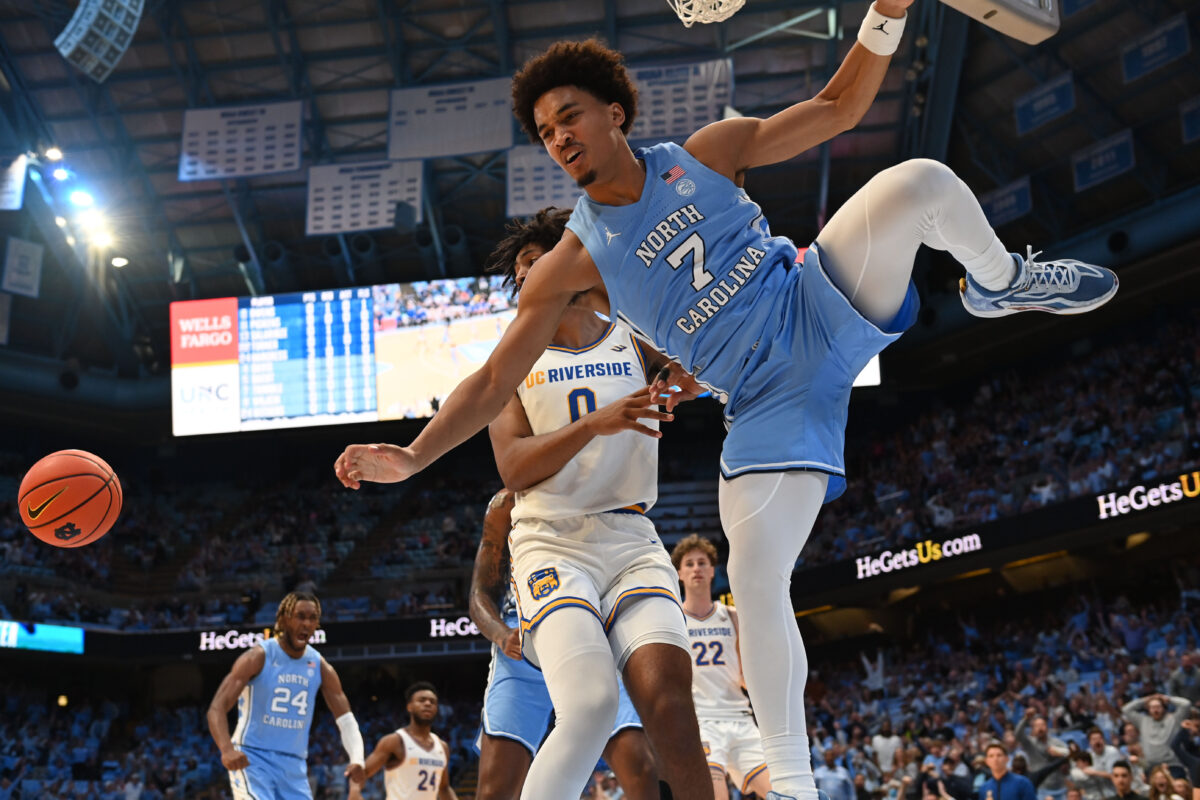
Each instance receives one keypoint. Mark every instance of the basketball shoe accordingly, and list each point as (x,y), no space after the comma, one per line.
(777,796)
(1064,286)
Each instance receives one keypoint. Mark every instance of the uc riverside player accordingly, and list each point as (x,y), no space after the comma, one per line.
(274,684)
(730,737)
(415,760)
(516,705)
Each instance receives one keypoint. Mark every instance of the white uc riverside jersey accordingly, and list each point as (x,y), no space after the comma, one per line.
(610,472)
(716,669)
(420,775)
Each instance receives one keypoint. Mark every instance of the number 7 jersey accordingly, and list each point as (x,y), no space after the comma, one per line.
(610,473)
(691,266)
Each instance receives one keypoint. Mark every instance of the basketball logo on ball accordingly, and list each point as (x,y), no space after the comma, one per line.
(70,498)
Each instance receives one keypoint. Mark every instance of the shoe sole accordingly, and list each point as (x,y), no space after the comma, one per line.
(1010,310)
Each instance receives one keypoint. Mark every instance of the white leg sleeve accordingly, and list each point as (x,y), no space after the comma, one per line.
(767,518)
(869,245)
(582,680)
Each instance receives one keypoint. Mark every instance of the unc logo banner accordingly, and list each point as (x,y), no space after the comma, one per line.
(543,582)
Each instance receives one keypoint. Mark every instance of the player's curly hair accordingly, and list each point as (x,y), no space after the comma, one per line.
(544,229)
(419,686)
(693,542)
(287,606)
(589,65)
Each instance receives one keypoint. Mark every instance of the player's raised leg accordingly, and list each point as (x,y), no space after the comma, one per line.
(869,245)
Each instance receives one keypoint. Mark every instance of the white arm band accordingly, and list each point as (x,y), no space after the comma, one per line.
(880,34)
(352,739)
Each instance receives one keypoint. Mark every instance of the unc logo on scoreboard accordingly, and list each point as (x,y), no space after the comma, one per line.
(543,582)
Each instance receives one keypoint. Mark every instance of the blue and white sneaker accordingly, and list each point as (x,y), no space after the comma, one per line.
(777,796)
(1057,287)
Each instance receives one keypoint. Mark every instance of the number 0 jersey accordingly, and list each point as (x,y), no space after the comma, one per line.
(420,774)
(716,668)
(692,265)
(610,472)
(275,709)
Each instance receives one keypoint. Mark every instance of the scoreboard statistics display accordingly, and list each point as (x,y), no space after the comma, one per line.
(364,354)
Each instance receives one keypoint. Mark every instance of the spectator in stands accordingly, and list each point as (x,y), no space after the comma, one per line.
(1157,728)
(1003,784)
(1043,753)
(1122,778)
(833,778)
(1104,755)
(886,744)
(1185,681)
(1159,780)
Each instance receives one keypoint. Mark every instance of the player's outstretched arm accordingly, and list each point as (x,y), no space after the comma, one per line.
(565,271)
(387,750)
(488,578)
(248,664)
(732,146)
(339,704)
(525,459)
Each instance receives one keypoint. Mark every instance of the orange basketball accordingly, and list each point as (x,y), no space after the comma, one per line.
(69,498)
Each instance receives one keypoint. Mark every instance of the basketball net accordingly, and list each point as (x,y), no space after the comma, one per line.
(706,11)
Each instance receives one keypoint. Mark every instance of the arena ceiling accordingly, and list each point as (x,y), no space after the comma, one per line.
(949,95)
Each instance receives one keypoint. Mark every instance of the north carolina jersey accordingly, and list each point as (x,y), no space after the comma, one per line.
(610,472)
(691,265)
(275,709)
(420,774)
(716,669)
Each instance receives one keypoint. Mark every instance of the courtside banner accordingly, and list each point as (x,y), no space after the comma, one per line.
(946,553)
(224,643)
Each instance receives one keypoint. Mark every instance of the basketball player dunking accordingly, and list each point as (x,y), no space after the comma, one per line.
(274,684)
(686,258)
(414,759)
(727,729)
(516,704)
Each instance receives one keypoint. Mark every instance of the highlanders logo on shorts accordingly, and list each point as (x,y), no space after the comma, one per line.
(542,582)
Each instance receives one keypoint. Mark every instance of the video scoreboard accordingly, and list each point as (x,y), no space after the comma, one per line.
(362,354)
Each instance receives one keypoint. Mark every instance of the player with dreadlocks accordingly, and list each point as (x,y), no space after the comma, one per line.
(274,684)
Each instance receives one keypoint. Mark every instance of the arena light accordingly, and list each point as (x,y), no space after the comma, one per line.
(81,198)
(60,222)
(102,238)
(120,261)
(62,701)
(53,154)
(91,219)
(61,174)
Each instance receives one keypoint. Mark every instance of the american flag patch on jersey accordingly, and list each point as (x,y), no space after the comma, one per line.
(673,174)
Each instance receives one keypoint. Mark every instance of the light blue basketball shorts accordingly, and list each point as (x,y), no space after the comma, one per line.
(788,411)
(271,776)
(517,706)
